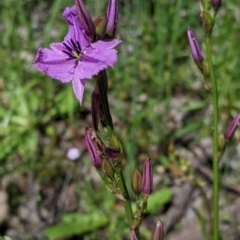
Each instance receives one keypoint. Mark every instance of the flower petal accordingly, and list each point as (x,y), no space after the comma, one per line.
(106,44)
(69,13)
(78,86)
(76,31)
(55,64)
(96,59)
(90,66)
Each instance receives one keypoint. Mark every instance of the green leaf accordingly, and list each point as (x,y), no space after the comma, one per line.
(158,199)
(5,238)
(194,106)
(75,224)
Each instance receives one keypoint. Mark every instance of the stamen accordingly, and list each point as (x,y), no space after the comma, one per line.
(73,49)
(67,47)
(73,44)
(78,46)
(68,53)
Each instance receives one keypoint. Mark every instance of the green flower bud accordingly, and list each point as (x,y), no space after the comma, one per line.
(137,182)
(108,169)
(100,26)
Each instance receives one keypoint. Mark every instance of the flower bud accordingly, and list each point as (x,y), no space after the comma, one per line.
(147,181)
(158,231)
(85,18)
(137,182)
(194,46)
(100,26)
(108,169)
(95,147)
(232,127)
(112,16)
(115,142)
(112,152)
(216,4)
(208,22)
(133,234)
(221,142)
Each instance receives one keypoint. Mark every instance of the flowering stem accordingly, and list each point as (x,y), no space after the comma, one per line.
(104,103)
(127,203)
(123,188)
(215,141)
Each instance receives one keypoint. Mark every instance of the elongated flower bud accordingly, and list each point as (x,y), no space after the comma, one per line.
(147,181)
(133,234)
(108,169)
(95,147)
(112,16)
(194,46)
(158,231)
(137,182)
(232,127)
(100,26)
(85,18)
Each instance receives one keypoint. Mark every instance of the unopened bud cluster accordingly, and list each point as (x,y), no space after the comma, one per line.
(98,150)
(208,23)
(104,26)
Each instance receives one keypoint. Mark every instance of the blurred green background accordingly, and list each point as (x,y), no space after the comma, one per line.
(157,96)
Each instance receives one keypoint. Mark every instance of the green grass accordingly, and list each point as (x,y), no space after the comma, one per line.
(154,67)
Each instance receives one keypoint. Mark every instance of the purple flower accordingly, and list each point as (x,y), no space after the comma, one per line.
(232,127)
(194,46)
(147,180)
(76,58)
(73,154)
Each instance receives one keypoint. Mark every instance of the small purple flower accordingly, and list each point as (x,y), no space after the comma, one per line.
(112,16)
(232,127)
(73,154)
(147,180)
(76,58)
(194,46)
(158,232)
